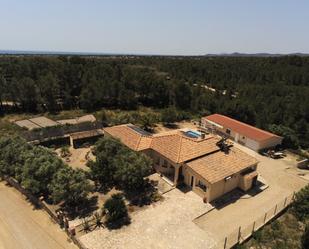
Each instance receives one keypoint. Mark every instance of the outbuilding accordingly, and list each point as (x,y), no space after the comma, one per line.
(242,133)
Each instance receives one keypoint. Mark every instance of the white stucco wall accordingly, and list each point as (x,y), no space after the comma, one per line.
(252,144)
(248,142)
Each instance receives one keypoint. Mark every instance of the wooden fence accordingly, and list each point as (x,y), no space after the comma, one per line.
(241,234)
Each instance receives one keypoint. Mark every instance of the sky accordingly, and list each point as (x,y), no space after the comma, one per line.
(171,27)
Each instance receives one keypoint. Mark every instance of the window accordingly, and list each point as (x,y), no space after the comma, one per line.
(228,131)
(202,186)
(165,164)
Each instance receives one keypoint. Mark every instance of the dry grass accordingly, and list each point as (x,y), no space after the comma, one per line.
(285,232)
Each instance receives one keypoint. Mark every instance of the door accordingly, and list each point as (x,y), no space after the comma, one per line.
(192,181)
(254,181)
(236,137)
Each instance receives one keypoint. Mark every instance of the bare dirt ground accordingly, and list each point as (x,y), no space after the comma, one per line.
(282,177)
(166,224)
(23,227)
(77,158)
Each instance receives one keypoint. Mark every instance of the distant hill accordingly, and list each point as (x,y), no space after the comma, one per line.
(254,55)
(29,52)
(236,54)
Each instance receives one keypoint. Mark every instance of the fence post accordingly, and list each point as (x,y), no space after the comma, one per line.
(253,227)
(275,209)
(285,200)
(265,217)
(239,234)
(225,241)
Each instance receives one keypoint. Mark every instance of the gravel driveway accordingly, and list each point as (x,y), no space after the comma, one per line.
(167,225)
(280,175)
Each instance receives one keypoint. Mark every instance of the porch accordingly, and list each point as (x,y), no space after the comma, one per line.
(168,171)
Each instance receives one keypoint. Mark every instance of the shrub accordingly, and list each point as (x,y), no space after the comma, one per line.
(169,115)
(305,238)
(86,225)
(301,204)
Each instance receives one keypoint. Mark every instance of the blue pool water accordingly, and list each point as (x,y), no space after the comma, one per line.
(193,134)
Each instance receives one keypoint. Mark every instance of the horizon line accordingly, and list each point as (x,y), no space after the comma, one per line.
(56,52)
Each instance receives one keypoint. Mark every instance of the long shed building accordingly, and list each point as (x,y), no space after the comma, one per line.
(242,133)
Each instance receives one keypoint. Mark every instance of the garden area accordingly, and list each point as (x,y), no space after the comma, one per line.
(114,186)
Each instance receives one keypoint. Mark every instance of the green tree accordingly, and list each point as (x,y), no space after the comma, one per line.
(71,186)
(49,89)
(131,168)
(38,171)
(183,95)
(27,94)
(13,151)
(103,168)
(147,121)
(2,91)
(301,204)
(290,139)
(169,115)
(116,210)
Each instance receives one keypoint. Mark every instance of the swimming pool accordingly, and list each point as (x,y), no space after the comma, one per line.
(193,134)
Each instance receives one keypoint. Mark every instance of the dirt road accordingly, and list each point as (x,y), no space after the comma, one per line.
(23,227)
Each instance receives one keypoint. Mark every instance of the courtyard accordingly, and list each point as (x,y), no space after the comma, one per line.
(167,224)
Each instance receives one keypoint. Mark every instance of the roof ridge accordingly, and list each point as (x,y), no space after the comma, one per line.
(242,123)
(179,150)
(138,143)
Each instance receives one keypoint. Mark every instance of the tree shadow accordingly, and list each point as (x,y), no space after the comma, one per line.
(84,209)
(142,197)
(104,189)
(118,223)
(171,125)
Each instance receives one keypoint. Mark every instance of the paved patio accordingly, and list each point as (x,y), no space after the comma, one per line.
(162,185)
(167,224)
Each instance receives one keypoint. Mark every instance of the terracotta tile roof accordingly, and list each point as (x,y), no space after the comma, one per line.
(173,145)
(217,166)
(241,128)
(130,137)
(179,148)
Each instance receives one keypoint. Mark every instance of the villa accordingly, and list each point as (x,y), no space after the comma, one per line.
(210,166)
